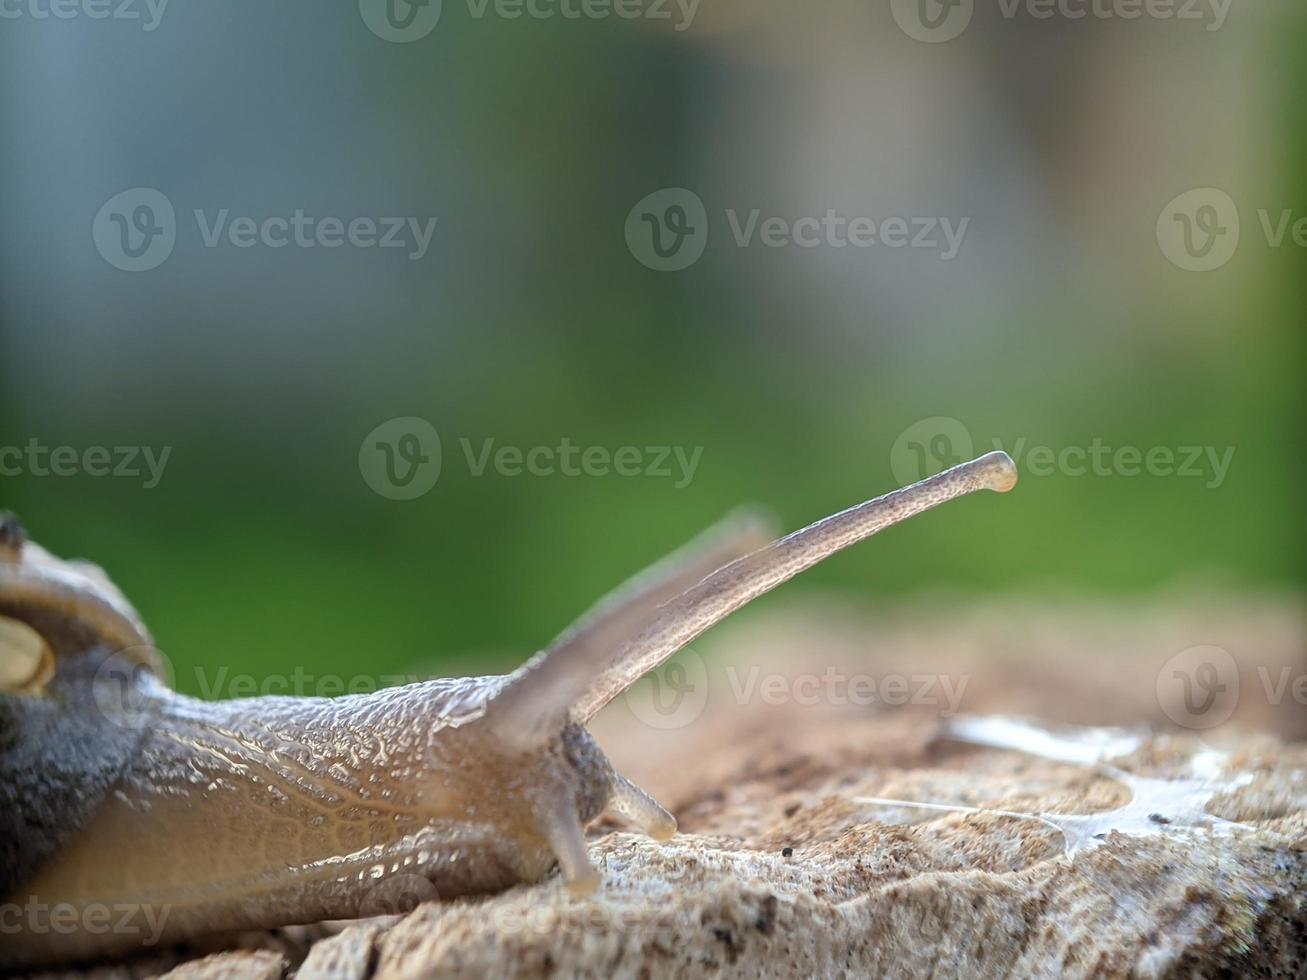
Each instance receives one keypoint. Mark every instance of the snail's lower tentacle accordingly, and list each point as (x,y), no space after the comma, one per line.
(561,827)
(640,809)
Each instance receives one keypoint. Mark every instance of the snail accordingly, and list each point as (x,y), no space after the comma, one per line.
(120,797)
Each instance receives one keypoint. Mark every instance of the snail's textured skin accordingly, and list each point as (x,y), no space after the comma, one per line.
(234,814)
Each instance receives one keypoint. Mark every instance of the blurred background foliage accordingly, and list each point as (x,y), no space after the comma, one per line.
(1060,321)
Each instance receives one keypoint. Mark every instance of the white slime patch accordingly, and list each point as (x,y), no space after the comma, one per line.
(1156,806)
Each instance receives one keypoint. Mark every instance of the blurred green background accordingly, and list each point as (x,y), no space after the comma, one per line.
(1060,321)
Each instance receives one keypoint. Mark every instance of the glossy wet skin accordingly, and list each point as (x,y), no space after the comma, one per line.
(301,810)
(115,791)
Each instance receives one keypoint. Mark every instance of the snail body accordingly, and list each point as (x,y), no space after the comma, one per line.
(188,817)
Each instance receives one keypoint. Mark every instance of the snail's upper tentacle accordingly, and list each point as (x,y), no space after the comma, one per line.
(591,669)
(559,680)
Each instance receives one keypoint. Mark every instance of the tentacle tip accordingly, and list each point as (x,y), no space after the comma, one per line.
(998,471)
(663,832)
(641,810)
(750,527)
